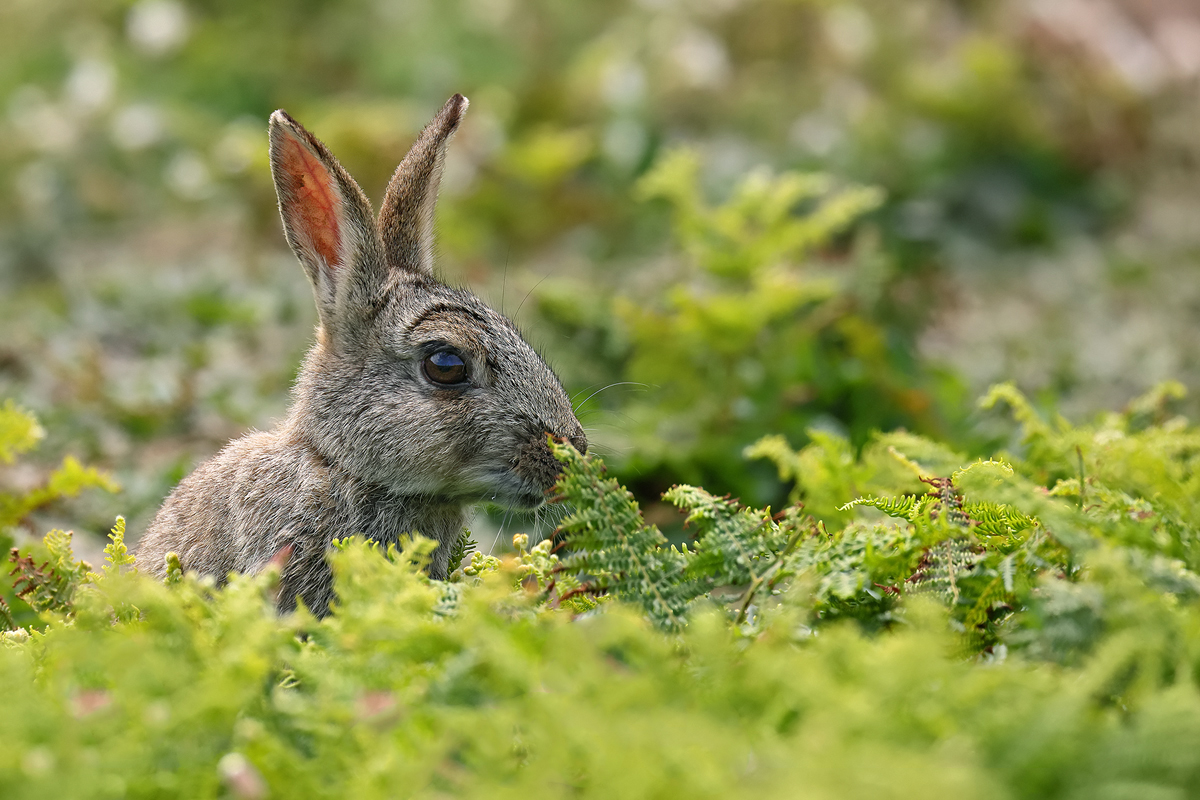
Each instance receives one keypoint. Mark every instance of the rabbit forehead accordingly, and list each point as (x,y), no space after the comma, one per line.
(455,317)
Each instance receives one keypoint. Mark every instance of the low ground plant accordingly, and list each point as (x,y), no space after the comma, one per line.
(914,625)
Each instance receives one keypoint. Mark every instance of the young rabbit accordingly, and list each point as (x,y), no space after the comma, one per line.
(416,399)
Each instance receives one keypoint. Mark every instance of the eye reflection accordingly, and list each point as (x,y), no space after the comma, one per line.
(445,367)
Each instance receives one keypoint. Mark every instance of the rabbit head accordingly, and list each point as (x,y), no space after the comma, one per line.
(412,385)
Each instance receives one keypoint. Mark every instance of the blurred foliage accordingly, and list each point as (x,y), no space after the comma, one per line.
(663,193)
(1005,631)
(31,588)
(750,336)
(787,224)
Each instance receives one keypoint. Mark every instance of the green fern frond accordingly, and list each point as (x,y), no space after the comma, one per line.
(1152,405)
(944,567)
(992,519)
(993,603)
(920,455)
(7,621)
(481,564)
(1033,427)
(51,586)
(734,545)
(904,507)
(459,550)
(613,549)
(68,480)
(116,554)
(775,448)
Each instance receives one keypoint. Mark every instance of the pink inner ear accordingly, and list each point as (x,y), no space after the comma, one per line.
(315,203)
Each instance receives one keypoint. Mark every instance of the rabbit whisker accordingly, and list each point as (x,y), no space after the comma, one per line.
(527,296)
(611,385)
(504,279)
(500,530)
(627,419)
(575,396)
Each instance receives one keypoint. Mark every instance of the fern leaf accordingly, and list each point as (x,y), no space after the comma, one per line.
(50,586)
(116,554)
(461,548)
(775,448)
(993,519)
(7,621)
(943,568)
(1032,425)
(734,545)
(613,549)
(903,507)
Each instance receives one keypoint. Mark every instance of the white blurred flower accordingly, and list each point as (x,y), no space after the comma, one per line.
(243,780)
(701,58)
(624,141)
(238,146)
(493,13)
(623,83)
(37,186)
(91,84)
(850,31)
(137,126)
(187,175)
(45,125)
(157,27)
(816,133)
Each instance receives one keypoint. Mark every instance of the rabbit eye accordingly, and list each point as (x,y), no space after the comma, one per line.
(445,367)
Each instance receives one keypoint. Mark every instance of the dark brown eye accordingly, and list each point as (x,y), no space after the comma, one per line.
(445,367)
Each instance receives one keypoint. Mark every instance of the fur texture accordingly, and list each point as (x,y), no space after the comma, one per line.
(374,443)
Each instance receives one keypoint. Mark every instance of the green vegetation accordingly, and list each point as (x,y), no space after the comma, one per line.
(1020,627)
(774,248)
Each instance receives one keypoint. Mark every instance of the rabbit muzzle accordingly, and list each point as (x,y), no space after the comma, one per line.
(537,467)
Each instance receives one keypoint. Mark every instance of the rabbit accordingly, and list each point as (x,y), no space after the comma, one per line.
(415,401)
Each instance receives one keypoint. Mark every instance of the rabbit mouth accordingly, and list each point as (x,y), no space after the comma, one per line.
(527,480)
(514,492)
(528,501)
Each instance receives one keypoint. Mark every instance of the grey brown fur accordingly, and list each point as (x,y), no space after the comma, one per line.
(372,444)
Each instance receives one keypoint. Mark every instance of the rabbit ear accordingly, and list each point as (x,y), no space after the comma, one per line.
(328,221)
(406,219)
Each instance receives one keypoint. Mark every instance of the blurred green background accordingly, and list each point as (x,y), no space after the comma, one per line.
(740,216)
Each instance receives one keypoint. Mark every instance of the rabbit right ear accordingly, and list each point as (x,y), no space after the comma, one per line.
(328,222)
(406,219)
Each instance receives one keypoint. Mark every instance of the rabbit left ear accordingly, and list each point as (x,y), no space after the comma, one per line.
(327,219)
(406,219)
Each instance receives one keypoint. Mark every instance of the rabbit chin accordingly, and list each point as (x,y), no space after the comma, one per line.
(509,490)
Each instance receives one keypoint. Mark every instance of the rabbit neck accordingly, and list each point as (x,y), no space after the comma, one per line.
(376,511)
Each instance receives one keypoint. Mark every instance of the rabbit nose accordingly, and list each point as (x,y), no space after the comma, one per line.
(579,440)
